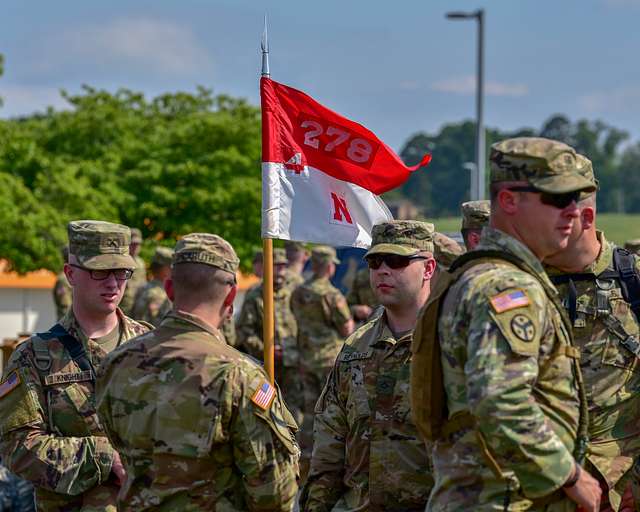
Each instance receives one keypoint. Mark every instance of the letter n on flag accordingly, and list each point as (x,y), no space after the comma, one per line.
(322,173)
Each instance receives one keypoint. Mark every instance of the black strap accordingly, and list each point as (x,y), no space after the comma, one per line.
(624,263)
(571,279)
(72,346)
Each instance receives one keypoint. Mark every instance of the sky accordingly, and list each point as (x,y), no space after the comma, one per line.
(398,67)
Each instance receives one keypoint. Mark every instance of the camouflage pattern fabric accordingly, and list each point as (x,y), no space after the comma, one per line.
(320,309)
(475,214)
(49,429)
(16,495)
(62,295)
(137,281)
(611,374)
(361,292)
(446,249)
(508,362)
(633,245)
(210,445)
(149,302)
(100,245)
(367,454)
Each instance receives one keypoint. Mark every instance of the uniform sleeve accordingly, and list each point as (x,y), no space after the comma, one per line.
(248,329)
(324,483)
(265,450)
(340,312)
(501,372)
(30,448)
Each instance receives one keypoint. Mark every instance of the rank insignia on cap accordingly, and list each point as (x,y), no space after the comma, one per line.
(10,383)
(264,395)
(507,301)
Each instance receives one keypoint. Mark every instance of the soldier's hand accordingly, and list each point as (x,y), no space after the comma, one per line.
(118,469)
(361,311)
(585,492)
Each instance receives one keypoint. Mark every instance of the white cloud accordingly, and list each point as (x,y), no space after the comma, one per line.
(621,99)
(26,99)
(467,85)
(147,43)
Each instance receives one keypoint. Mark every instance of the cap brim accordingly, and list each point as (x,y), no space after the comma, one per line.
(108,261)
(563,184)
(401,250)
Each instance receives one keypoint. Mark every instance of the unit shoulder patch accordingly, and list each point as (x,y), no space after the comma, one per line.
(264,395)
(10,383)
(523,328)
(511,299)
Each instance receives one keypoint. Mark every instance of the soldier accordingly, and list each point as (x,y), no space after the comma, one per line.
(324,320)
(62,290)
(510,398)
(367,454)
(49,429)
(475,216)
(139,278)
(150,299)
(297,255)
(249,332)
(633,246)
(361,299)
(205,431)
(599,284)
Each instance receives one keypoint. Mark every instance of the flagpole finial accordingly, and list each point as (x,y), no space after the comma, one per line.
(265,50)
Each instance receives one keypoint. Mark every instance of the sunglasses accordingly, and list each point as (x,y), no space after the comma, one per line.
(560,201)
(393,261)
(121,274)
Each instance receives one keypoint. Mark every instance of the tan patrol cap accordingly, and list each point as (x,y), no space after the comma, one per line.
(100,245)
(324,254)
(446,249)
(162,256)
(475,214)
(207,249)
(403,237)
(136,236)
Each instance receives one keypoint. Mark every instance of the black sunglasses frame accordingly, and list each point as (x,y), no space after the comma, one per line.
(393,261)
(128,273)
(559,201)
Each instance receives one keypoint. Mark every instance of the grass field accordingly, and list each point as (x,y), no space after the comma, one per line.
(616,226)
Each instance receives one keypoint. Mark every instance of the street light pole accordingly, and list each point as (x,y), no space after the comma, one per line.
(477,191)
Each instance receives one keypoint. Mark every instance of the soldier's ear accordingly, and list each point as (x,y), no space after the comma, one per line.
(588,217)
(231,296)
(68,272)
(429,268)
(168,288)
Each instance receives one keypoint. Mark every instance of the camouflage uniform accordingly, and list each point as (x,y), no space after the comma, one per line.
(214,441)
(367,454)
(510,373)
(49,430)
(62,295)
(320,310)
(475,216)
(151,298)
(633,246)
(138,280)
(446,249)
(611,371)
(361,292)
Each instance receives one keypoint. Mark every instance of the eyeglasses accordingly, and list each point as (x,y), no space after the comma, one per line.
(560,201)
(121,274)
(394,261)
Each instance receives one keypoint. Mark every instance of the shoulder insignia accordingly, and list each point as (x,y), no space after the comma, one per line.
(523,328)
(264,395)
(507,301)
(10,383)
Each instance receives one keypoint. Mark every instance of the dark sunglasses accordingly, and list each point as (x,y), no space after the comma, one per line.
(560,201)
(121,274)
(393,261)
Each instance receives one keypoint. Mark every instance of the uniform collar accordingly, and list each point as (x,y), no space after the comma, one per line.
(71,325)
(188,320)
(384,334)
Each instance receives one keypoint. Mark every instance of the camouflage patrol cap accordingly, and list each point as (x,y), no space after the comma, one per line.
(445,249)
(136,236)
(280,256)
(100,245)
(475,214)
(207,249)
(585,168)
(324,254)
(633,245)
(403,237)
(548,165)
(162,256)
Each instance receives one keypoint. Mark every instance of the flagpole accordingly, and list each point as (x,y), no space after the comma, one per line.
(268,328)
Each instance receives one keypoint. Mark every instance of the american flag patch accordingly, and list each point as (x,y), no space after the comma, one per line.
(509,300)
(264,395)
(10,383)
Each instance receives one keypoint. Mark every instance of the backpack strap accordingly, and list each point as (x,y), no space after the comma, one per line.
(624,263)
(72,346)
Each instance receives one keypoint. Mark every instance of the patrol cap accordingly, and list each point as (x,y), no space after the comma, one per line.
(280,256)
(324,254)
(100,245)
(446,249)
(585,168)
(162,256)
(548,165)
(207,249)
(632,245)
(403,237)
(475,214)
(136,236)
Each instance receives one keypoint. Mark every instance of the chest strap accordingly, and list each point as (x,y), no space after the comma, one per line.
(73,346)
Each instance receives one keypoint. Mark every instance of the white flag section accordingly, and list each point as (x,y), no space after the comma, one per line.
(303,203)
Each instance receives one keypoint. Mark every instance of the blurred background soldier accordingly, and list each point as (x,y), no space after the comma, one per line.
(367,454)
(220,437)
(297,255)
(633,246)
(475,216)
(151,297)
(600,287)
(361,299)
(249,332)
(50,432)
(324,320)
(139,278)
(16,495)
(61,289)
